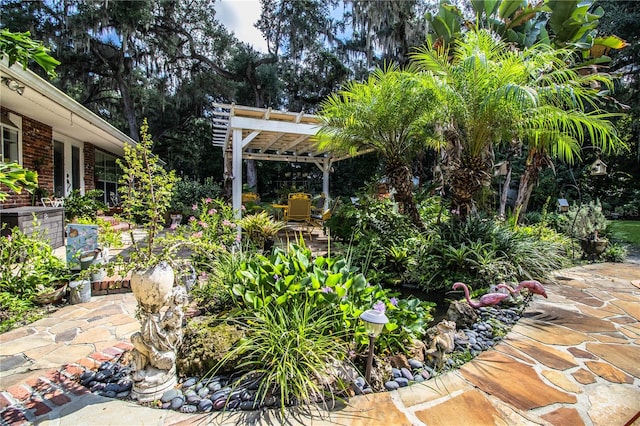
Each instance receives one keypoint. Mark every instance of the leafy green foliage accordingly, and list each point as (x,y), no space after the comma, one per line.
(78,206)
(28,265)
(15,177)
(19,47)
(15,311)
(293,278)
(615,252)
(187,190)
(146,190)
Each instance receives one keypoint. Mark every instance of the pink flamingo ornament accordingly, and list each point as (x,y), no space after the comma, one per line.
(533,286)
(489,299)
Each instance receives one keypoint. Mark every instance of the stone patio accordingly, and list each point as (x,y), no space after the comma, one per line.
(573,360)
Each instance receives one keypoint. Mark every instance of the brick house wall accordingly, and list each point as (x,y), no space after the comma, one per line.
(37,154)
(89,166)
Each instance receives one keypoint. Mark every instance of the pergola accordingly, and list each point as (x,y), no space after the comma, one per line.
(247,133)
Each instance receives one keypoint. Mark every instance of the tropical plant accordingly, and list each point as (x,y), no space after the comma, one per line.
(146,189)
(489,94)
(384,114)
(294,278)
(15,177)
(260,228)
(19,47)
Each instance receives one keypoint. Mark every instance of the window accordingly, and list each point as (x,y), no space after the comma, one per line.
(107,174)
(10,142)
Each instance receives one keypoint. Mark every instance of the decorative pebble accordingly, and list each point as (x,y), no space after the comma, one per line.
(203,392)
(124,394)
(219,394)
(395,372)
(418,378)
(169,394)
(219,403)
(402,381)
(214,386)
(110,394)
(188,409)
(406,374)
(177,402)
(391,385)
(232,405)
(189,382)
(414,363)
(367,391)
(193,399)
(248,405)
(205,405)
(166,405)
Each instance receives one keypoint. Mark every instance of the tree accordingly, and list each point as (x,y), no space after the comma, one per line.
(385,114)
(490,95)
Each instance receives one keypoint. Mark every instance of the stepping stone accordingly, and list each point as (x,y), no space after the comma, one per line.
(579,353)
(547,355)
(559,379)
(608,372)
(583,376)
(625,357)
(550,333)
(478,410)
(513,382)
(564,416)
(612,404)
(573,320)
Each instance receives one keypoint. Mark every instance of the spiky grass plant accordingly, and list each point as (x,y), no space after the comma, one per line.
(290,348)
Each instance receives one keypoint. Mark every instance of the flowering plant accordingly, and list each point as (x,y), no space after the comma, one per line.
(208,230)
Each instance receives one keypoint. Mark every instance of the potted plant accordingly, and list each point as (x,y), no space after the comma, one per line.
(145,192)
(587,222)
(261,229)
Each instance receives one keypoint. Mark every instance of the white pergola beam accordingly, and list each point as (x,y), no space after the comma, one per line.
(236,122)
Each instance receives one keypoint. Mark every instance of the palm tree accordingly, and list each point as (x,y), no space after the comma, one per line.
(384,114)
(490,94)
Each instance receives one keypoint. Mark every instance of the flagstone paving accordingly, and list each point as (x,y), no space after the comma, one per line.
(574,359)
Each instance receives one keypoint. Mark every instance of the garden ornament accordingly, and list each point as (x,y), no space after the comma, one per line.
(489,299)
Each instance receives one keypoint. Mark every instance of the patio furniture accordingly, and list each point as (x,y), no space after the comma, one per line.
(319,218)
(250,197)
(299,210)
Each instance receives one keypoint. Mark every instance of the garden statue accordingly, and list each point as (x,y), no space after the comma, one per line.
(154,353)
(442,342)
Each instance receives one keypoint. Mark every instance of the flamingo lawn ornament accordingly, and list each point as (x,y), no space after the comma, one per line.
(489,299)
(533,286)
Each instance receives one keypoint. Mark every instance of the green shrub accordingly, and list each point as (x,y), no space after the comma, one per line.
(15,311)
(83,206)
(615,252)
(186,191)
(28,265)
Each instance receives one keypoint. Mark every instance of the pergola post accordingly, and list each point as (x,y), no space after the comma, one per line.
(326,168)
(237,173)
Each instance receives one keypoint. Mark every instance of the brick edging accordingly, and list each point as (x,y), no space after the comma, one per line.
(38,396)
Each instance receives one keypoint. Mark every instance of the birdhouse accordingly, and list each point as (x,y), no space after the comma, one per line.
(500,169)
(598,168)
(563,205)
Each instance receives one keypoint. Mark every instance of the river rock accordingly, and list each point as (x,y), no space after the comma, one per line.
(205,405)
(414,363)
(169,395)
(391,385)
(177,402)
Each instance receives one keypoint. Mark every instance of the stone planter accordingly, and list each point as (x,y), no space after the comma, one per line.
(593,247)
(152,286)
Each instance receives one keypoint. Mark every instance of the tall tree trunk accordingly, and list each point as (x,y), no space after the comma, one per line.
(465,179)
(505,191)
(399,174)
(528,181)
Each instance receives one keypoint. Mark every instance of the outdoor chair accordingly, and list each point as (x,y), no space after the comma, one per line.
(319,219)
(299,210)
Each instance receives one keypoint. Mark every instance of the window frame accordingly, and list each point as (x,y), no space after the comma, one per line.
(9,122)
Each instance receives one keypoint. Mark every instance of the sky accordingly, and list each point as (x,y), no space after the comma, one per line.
(239,16)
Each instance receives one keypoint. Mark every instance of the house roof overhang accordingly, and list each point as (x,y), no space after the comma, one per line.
(43,102)
(271,135)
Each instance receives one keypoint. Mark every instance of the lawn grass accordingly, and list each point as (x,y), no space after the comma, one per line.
(627,231)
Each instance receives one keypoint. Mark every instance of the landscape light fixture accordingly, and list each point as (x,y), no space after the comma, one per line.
(374,322)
